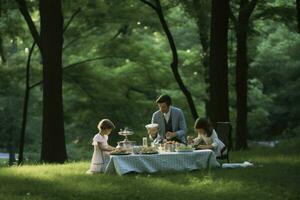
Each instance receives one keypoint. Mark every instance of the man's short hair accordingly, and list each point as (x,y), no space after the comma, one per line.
(164,99)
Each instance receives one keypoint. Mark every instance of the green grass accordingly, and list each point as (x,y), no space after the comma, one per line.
(275,176)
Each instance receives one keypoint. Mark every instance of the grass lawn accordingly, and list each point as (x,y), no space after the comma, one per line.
(276,175)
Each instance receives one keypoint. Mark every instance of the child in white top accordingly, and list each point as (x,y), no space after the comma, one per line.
(207,137)
(101,147)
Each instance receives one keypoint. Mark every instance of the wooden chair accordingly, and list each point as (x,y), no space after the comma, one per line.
(223,130)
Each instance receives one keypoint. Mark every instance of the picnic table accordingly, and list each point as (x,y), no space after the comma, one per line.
(161,162)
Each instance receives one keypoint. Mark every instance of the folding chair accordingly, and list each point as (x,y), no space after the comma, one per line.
(223,130)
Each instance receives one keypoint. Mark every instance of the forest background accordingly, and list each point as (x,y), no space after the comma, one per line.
(116,61)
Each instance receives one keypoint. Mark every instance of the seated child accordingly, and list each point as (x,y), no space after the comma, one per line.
(207,137)
(101,147)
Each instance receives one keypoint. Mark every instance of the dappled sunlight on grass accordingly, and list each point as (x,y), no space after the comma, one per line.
(275,175)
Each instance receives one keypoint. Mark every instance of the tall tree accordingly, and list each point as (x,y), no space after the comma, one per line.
(246,8)
(53,139)
(2,56)
(50,42)
(156,6)
(28,87)
(218,73)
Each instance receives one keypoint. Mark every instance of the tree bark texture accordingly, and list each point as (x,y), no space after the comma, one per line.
(218,74)
(241,85)
(51,35)
(245,11)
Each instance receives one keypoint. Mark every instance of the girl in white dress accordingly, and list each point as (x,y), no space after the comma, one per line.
(101,147)
(207,137)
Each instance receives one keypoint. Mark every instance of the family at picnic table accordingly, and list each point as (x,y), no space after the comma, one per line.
(171,127)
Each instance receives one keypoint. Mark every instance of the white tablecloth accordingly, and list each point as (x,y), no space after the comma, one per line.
(166,161)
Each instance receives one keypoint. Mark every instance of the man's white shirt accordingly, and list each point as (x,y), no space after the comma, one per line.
(167,115)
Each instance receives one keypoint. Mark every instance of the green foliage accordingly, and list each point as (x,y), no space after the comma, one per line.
(278,67)
(132,67)
(259,105)
(10,107)
(124,85)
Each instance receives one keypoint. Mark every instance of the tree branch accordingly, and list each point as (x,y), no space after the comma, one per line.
(85,61)
(122,30)
(70,20)
(73,65)
(36,84)
(174,64)
(251,7)
(149,4)
(24,10)
(72,41)
(25,107)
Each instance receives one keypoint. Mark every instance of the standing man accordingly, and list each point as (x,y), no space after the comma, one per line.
(170,120)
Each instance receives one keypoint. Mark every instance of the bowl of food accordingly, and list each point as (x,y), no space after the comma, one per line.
(149,150)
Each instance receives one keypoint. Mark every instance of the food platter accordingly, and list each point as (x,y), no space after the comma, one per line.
(184,149)
(120,151)
(148,150)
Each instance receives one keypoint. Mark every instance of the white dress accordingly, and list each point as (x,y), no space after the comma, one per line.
(212,140)
(100,158)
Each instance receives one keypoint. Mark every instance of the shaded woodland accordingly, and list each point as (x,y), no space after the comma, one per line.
(67,64)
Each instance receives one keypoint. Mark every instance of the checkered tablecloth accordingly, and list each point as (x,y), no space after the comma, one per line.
(167,161)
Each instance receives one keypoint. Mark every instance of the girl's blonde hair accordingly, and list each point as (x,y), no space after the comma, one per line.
(105,124)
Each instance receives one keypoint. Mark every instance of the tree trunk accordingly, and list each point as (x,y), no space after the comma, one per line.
(245,11)
(25,107)
(298,14)
(51,36)
(3,59)
(218,75)
(241,84)
(174,64)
